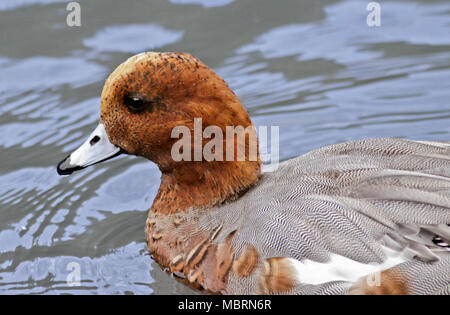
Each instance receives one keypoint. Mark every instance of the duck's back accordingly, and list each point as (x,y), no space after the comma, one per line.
(341,213)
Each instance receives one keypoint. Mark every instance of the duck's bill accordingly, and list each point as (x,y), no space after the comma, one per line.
(96,149)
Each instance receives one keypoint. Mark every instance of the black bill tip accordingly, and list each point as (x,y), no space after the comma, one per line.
(65,168)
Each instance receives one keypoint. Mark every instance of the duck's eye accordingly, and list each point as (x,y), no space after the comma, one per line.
(134,103)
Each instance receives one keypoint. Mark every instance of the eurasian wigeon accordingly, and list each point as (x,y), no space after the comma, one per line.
(366,217)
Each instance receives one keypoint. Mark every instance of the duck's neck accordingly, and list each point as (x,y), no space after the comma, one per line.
(197,185)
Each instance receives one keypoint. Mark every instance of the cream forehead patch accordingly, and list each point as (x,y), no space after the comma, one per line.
(122,68)
(139,56)
(129,64)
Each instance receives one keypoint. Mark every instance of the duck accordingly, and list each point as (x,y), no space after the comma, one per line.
(364,217)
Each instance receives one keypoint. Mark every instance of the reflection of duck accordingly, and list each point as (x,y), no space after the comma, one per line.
(325,222)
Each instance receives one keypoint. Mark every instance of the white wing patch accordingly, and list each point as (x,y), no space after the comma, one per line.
(340,268)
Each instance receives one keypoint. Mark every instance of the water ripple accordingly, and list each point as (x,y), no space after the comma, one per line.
(132,38)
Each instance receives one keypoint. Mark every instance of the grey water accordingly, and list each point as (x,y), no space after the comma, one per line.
(313,68)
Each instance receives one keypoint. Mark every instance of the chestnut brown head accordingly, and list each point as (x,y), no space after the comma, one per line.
(145,98)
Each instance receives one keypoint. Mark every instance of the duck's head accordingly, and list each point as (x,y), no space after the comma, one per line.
(149,95)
